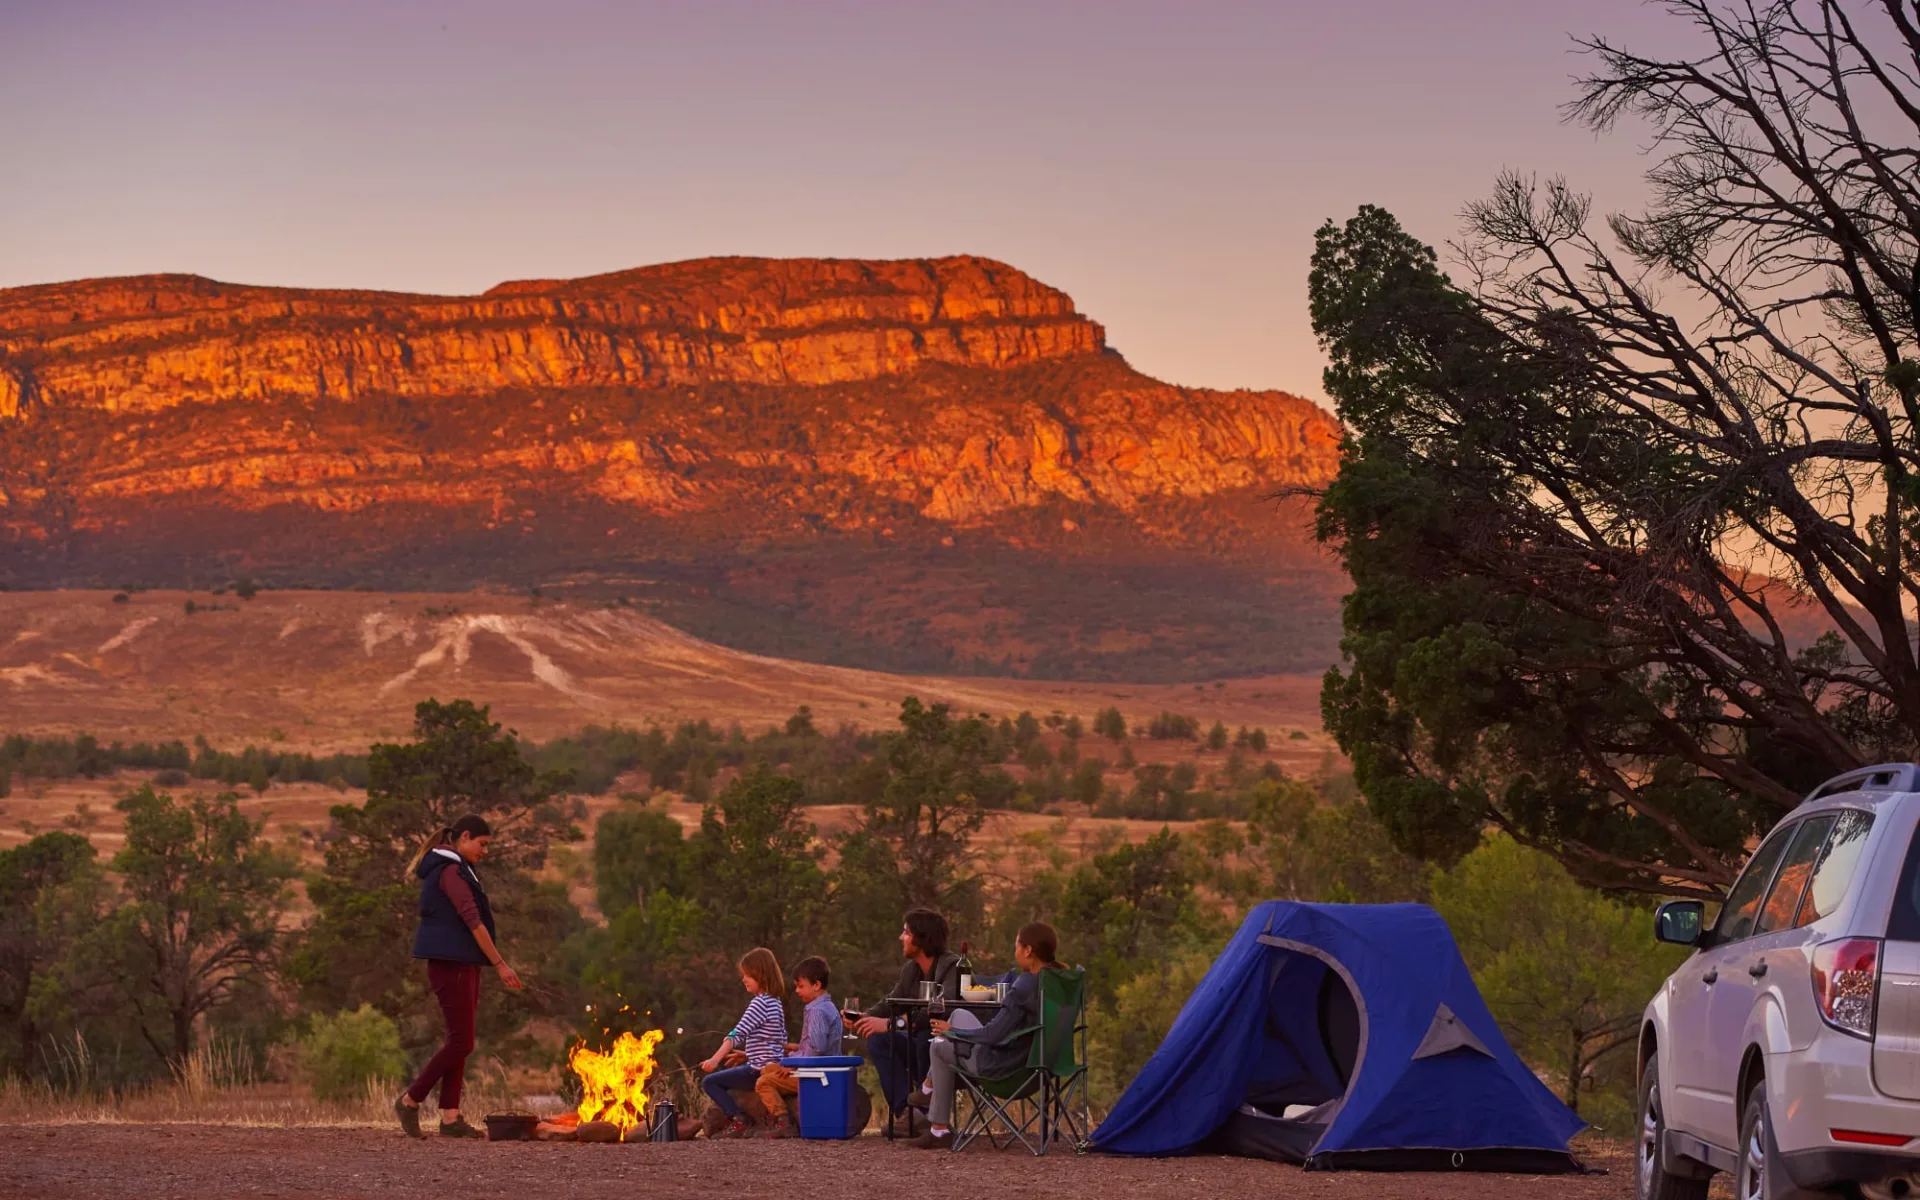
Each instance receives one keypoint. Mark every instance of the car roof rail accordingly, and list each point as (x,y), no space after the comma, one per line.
(1887,777)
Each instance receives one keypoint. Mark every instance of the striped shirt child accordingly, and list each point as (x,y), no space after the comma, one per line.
(762,1031)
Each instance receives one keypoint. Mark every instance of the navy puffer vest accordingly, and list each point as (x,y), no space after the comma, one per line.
(442,934)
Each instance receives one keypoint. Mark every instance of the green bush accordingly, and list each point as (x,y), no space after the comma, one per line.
(347,1049)
(1122,1035)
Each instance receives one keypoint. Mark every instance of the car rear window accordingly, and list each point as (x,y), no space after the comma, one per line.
(1833,870)
(1790,881)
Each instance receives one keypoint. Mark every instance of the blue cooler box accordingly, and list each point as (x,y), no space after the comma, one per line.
(826,1094)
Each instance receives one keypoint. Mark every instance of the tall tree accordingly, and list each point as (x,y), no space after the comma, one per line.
(357,949)
(756,864)
(637,852)
(204,896)
(1335,853)
(1630,514)
(1133,904)
(919,832)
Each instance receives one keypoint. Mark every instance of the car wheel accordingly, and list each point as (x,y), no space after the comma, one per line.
(1652,1180)
(1758,1174)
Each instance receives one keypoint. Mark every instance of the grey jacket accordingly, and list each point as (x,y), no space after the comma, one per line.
(997,1049)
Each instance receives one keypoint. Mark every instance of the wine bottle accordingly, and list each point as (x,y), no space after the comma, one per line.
(966,969)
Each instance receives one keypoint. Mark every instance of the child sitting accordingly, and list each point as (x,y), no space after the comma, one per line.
(819,1036)
(761,1033)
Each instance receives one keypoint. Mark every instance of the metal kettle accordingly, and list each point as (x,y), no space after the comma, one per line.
(665,1122)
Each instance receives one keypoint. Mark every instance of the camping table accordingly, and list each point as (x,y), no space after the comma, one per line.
(917,1014)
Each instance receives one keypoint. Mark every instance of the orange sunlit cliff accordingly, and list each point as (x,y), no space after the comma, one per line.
(930,463)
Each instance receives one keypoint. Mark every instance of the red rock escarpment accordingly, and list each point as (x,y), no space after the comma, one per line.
(147,343)
(1027,408)
(680,415)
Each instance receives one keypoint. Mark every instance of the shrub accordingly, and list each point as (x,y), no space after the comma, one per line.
(171,777)
(1126,1031)
(1173,726)
(346,1050)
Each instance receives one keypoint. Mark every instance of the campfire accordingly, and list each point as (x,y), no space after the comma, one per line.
(613,1083)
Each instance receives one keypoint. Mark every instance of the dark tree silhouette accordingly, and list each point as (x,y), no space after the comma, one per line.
(1630,510)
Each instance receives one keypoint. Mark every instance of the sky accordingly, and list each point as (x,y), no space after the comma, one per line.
(1166,164)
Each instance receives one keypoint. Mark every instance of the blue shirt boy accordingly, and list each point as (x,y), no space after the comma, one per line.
(819,1027)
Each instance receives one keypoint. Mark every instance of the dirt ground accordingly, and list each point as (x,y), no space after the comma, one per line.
(158,1162)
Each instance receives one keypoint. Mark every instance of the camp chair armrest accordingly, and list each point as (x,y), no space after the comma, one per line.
(961,1035)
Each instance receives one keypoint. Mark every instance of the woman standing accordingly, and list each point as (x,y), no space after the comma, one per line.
(456,938)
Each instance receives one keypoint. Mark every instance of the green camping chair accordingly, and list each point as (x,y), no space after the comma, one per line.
(1021,1105)
(1063,1011)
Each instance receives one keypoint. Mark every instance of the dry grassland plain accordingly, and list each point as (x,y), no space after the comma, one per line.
(328,672)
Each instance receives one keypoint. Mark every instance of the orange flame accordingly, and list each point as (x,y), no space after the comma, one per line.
(614,1084)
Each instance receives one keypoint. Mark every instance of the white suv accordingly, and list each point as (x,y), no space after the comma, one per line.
(1787,1049)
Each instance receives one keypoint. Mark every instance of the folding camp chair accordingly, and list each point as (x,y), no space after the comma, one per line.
(1020,1105)
(1063,1009)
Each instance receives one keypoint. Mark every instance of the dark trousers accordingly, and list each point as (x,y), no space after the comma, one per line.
(457,987)
(718,1085)
(900,1059)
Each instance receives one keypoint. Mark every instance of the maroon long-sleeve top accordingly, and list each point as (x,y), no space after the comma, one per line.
(456,890)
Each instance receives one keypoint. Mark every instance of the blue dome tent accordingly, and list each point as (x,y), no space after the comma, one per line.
(1342,1036)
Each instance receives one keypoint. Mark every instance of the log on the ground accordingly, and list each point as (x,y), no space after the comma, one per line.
(599,1131)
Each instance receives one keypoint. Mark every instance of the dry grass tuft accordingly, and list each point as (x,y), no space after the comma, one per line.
(219,1085)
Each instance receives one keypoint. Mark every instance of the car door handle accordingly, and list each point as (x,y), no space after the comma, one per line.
(1710,976)
(1757,970)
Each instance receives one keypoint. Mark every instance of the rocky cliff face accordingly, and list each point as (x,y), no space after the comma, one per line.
(139,345)
(766,434)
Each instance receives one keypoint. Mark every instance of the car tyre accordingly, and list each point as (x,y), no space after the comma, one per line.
(1758,1174)
(1652,1178)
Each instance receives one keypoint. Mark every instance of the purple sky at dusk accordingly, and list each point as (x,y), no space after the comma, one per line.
(1165,163)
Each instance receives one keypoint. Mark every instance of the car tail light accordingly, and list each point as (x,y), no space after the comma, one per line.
(1861,1137)
(1846,974)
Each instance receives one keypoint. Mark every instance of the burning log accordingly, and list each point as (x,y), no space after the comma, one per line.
(613,1084)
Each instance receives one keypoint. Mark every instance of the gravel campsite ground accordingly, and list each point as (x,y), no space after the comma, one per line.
(201,1162)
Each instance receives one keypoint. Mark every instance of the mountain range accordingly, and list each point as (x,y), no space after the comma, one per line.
(920,465)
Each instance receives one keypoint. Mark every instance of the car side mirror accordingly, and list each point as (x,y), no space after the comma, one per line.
(1679,922)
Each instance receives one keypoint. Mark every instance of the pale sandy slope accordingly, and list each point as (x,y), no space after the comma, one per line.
(334,670)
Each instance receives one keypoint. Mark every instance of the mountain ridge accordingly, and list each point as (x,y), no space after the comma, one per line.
(690,424)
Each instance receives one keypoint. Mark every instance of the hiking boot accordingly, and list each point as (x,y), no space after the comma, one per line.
(459,1129)
(739,1127)
(409,1115)
(911,1118)
(713,1121)
(933,1141)
(920,1100)
(783,1127)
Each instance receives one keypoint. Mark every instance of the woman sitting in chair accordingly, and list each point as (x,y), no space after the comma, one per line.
(998,1049)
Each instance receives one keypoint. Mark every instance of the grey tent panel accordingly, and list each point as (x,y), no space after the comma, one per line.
(1447,1033)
